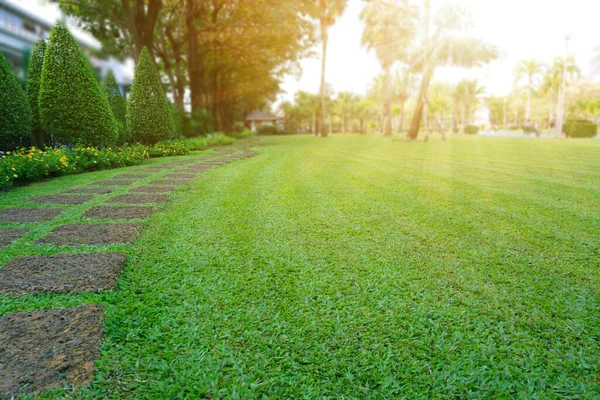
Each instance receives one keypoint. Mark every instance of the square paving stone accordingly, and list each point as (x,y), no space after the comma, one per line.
(154,189)
(139,198)
(61,199)
(46,349)
(180,176)
(79,234)
(24,215)
(116,212)
(132,176)
(116,182)
(165,182)
(61,273)
(7,236)
(90,191)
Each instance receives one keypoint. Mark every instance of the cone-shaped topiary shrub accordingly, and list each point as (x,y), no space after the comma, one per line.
(15,115)
(34,77)
(149,117)
(72,105)
(117,104)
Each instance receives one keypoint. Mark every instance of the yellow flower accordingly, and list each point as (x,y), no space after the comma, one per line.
(15,175)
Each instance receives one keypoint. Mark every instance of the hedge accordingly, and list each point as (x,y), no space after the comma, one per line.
(580,128)
(15,115)
(72,105)
(39,137)
(202,143)
(116,101)
(149,116)
(471,129)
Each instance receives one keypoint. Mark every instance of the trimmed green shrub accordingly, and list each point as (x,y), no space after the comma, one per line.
(15,115)
(471,129)
(269,130)
(245,133)
(116,103)
(214,139)
(168,148)
(39,137)
(72,105)
(149,116)
(580,128)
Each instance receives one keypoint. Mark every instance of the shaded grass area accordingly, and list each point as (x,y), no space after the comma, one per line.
(363,267)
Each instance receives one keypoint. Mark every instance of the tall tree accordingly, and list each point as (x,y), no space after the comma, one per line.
(447,44)
(389,30)
(34,79)
(329,11)
(551,84)
(468,92)
(529,70)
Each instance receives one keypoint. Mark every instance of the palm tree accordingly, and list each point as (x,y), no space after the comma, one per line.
(529,70)
(551,84)
(388,31)
(467,94)
(329,10)
(449,45)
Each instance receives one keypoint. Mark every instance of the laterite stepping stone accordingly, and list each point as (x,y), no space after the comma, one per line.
(7,236)
(80,234)
(180,176)
(61,273)
(25,215)
(115,182)
(139,198)
(154,189)
(132,176)
(168,182)
(90,191)
(116,212)
(46,349)
(61,199)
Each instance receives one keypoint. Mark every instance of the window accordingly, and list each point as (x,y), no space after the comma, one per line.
(29,26)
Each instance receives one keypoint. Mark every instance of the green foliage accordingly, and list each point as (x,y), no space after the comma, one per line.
(72,105)
(270,130)
(168,148)
(117,104)
(214,139)
(243,134)
(15,115)
(580,128)
(34,77)
(471,129)
(200,123)
(149,115)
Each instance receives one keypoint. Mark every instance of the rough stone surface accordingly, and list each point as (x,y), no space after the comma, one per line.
(45,349)
(154,189)
(116,212)
(93,191)
(25,215)
(140,175)
(165,182)
(79,234)
(7,236)
(61,273)
(61,199)
(139,198)
(180,176)
(116,182)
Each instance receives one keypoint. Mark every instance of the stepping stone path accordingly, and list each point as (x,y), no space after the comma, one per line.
(42,350)
(61,199)
(80,234)
(139,198)
(61,273)
(115,212)
(45,349)
(26,215)
(7,236)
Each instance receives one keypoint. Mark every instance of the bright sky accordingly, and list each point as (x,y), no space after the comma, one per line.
(522,29)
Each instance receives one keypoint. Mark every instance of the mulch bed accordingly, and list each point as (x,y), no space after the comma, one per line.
(61,273)
(132,176)
(24,215)
(7,236)
(115,182)
(169,182)
(91,191)
(79,234)
(180,176)
(154,189)
(46,349)
(116,212)
(139,198)
(61,199)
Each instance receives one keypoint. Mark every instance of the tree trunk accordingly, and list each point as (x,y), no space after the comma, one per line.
(194,63)
(387,126)
(324,38)
(528,113)
(551,109)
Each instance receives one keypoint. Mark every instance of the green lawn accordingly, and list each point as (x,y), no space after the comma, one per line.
(359,267)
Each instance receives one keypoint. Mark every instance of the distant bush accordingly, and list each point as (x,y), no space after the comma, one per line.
(149,114)
(39,137)
(269,130)
(203,143)
(580,128)
(72,105)
(116,102)
(168,148)
(246,133)
(471,129)
(15,115)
